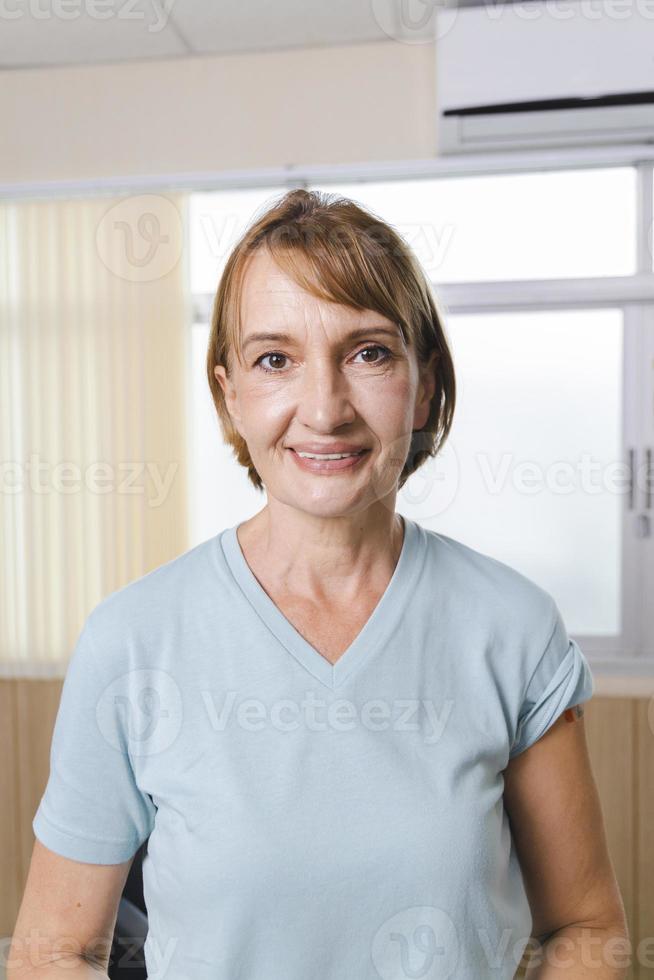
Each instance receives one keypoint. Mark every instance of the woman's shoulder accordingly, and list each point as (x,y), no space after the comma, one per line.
(484,584)
(159,598)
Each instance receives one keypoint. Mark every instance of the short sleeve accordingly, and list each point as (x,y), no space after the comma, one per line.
(92,809)
(562,678)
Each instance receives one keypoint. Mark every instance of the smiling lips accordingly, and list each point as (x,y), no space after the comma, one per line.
(327,462)
(322,449)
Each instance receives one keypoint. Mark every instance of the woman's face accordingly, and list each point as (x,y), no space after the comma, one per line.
(337,375)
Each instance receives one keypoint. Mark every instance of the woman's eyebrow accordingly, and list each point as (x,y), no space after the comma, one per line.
(285,338)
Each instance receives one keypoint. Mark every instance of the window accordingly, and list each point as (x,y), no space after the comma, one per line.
(534,447)
(555,225)
(216,222)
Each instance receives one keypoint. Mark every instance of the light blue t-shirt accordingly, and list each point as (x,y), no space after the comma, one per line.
(310,820)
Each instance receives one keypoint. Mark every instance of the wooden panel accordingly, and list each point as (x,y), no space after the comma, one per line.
(611,742)
(9,813)
(610,733)
(643,927)
(35,709)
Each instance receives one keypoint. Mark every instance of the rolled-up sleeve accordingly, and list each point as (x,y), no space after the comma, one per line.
(562,678)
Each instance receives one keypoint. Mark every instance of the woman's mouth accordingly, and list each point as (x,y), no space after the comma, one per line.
(327,462)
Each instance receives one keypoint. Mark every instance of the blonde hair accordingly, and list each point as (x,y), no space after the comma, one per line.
(337,251)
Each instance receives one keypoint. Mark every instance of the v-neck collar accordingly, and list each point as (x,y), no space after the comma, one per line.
(375,631)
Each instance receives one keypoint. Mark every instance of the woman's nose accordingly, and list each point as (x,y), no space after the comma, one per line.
(324,395)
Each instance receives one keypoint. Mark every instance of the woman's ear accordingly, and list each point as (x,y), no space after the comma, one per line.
(229,394)
(426,389)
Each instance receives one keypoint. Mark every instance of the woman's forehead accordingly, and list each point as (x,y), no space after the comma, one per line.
(306,316)
(268,291)
(266,284)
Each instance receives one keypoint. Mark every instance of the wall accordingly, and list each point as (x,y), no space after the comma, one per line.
(341,104)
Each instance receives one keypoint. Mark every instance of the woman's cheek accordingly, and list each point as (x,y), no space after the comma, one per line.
(393,401)
(266,415)
(266,396)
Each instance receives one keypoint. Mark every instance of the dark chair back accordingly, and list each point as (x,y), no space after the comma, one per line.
(126,959)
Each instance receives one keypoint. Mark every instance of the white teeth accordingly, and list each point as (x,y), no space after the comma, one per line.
(326,455)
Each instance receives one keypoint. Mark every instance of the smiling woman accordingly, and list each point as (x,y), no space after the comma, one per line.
(320,272)
(391,682)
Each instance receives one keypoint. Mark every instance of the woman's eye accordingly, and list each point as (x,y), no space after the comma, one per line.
(376,347)
(270,370)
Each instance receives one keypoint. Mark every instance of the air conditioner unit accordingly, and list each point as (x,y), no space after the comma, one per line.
(544,74)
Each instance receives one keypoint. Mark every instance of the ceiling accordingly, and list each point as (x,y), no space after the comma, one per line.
(44,33)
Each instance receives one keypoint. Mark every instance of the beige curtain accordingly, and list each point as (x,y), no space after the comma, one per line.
(94,321)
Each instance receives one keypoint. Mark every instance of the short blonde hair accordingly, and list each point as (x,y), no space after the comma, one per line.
(338,251)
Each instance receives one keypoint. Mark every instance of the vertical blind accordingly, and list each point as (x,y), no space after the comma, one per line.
(94,314)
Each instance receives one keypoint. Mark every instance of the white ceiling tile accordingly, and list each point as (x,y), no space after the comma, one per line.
(232,25)
(68,32)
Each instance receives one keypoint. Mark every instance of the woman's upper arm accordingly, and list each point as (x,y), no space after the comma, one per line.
(556,821)
(67,907)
